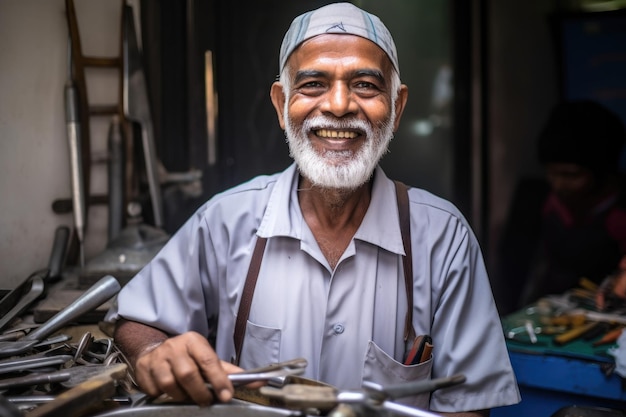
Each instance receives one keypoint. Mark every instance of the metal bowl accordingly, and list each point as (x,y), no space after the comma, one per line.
(234,408)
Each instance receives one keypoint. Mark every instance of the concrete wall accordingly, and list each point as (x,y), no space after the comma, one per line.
(34,162)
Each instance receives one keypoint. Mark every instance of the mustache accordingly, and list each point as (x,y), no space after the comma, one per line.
(325,122)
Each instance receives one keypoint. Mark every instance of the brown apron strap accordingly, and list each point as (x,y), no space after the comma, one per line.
(246,296)
(257,256)
(402,194)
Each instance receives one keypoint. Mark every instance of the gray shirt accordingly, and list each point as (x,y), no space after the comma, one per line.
(348,322)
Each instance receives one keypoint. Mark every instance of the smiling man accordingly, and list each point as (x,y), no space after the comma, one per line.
(329,260)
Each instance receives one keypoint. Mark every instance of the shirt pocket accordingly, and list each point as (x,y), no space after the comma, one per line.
(382,369)
(261,346)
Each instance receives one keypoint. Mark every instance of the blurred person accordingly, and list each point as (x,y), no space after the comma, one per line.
(571,225)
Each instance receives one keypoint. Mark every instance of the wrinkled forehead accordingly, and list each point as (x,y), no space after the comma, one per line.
(338,18)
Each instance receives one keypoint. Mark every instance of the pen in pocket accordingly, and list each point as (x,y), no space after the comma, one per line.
(420,350)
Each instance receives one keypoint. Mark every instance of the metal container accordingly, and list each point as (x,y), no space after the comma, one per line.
(234,408)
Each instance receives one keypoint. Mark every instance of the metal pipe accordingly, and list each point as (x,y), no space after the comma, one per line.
(72,119)
(116,178)
(137,109)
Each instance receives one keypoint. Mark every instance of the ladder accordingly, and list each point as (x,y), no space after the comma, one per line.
(123,113)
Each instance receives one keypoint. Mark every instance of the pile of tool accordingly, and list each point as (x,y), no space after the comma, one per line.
(44,373)
(560,320)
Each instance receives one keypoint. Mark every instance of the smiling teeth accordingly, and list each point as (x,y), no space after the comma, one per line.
(325,133)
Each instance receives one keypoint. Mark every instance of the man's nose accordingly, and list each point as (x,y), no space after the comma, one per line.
(339,101)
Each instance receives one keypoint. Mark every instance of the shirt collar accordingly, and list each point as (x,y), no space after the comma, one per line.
(380,225)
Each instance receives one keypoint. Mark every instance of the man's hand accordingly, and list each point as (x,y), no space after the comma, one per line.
(179,366)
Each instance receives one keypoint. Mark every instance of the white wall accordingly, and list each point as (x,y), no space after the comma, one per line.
(34,163)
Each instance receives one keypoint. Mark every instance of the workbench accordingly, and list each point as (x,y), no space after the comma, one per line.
(553,376)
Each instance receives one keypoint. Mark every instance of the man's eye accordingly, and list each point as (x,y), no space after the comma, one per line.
(365,84)
(311,84)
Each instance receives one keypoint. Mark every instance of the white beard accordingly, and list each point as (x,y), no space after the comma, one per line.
(338,169)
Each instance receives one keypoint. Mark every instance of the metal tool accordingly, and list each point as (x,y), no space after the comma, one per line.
(137,108)
(265,373)
(615,317)
(281,369)
(372,396)
(115,183)
(23,364)
(34,379)
(31,289)
(78,400)
(35,291)
(411,388)
(42,399)
(72,121)
(67,377)
(96,295)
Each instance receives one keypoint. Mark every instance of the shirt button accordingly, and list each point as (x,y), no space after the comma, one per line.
(338,328)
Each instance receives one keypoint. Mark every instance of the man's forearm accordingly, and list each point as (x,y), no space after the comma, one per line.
(135,338)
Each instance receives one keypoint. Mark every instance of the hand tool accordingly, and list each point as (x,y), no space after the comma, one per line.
(100,349)
(35,291)
(265,373)
(67,377)
(407,389)
(280,369)
(7,409)
(83,344)
(137,108)
(372,395)
(42,399)
(34,379)
(59,338)
(30,290)
(27,363)
(82,398)
(597,331)
(614,317)
(97,294)
(574,333)
(420,350)
(12,336)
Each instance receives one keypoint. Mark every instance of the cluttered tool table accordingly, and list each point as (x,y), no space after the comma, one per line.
(58,358)
(564,354)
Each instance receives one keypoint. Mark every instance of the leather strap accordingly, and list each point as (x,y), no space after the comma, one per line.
(402,196)
(246,296)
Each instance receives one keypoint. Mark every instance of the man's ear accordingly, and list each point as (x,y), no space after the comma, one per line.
(403,95)
(278,100)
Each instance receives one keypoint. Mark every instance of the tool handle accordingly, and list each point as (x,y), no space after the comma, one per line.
(573,334)
(96,295)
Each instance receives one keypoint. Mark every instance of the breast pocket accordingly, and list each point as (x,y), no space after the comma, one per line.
(261,346)
(382,369)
